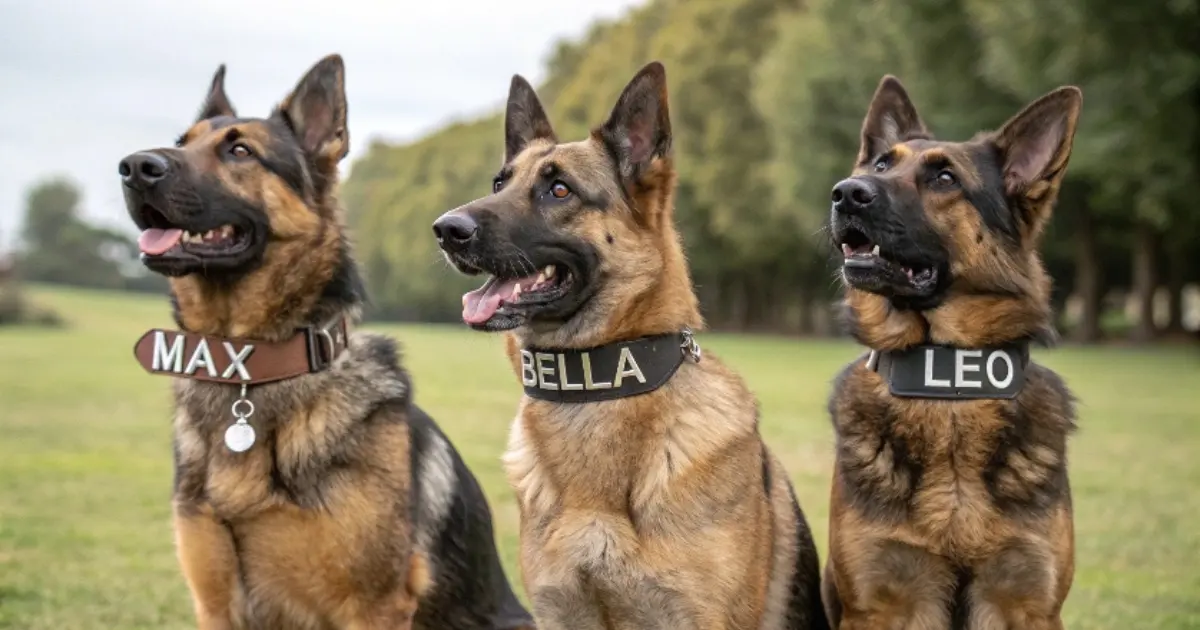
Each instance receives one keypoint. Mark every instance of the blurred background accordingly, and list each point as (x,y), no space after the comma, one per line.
(767,97)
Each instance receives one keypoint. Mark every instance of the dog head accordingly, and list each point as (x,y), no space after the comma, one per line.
(245,207)
(921,221)
(231,186)
(575,235)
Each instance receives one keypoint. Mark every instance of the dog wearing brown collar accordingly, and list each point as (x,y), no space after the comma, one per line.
(310,491)
(951,506)
(648,498)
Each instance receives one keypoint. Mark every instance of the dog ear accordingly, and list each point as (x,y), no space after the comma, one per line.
(1035,146)
(639,128)
(216,103)
(891,119)
(316,111)
(524,119)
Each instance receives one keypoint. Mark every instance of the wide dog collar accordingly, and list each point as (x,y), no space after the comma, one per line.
(616,370)
(241,361)
(934,371)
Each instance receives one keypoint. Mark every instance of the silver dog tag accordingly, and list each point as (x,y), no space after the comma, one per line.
(239,437)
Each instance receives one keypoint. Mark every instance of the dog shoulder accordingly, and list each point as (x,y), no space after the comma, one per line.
(851,386)
(435,474)
(1027,470)
(374,362)
(725,388)
(877,463)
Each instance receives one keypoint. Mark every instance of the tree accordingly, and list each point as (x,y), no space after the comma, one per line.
(60,246)
(1139,67)
(51,208)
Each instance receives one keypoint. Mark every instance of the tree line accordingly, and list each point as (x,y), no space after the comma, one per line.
(767,97)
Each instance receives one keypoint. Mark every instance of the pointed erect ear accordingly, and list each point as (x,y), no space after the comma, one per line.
(216,103)
(316,110)
(1036,143)
(524,119)
(639,128)
(891,119)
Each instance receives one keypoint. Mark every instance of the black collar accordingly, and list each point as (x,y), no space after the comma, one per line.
(616,370)
(933,371)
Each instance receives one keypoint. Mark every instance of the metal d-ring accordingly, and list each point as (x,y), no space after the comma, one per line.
(329,342)
(690,348)
(242,400)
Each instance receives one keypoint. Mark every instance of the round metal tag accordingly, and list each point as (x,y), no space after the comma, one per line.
(239,437)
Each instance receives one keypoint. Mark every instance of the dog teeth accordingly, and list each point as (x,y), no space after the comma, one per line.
(846,250)
(191,237)
(516,292)
(226,231)
(875,252)
(909,272)
(548,271)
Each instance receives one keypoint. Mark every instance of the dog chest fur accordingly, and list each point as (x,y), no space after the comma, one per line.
(650,491)
(304,519)
(955,471)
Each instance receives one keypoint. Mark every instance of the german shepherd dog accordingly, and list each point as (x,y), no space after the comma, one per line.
(352,510)
(659,510)
(950,513)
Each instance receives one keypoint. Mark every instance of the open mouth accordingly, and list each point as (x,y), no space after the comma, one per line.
(868,267)
(172,248)
(505,303)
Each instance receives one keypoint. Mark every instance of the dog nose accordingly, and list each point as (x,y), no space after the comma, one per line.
(853,195)
(455,230)
(143,169)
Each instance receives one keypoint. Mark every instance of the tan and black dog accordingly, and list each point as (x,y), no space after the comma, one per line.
(310,491)
(648,498)
(950,504)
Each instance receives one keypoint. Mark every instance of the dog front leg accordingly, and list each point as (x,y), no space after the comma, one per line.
(395,610)
(206,555)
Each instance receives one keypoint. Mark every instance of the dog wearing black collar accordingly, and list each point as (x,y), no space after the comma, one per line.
(310,491)
(647,496)
(950,505)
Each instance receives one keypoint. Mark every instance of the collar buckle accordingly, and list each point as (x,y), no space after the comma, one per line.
(689,346)
(325,343)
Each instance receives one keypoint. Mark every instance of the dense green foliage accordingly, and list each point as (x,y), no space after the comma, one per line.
(766,100)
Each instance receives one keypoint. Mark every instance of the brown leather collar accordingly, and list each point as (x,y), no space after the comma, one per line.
(241,361)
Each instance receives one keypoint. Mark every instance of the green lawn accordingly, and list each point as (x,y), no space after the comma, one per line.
(85,465)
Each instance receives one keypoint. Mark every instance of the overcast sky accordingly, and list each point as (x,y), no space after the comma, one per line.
(84,83)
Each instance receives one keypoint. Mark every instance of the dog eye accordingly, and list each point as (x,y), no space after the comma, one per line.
(946,178)
(240,150)
(882,164)
(497,184)
(559,190)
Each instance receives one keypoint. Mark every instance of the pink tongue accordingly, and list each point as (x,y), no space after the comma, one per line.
(482,303)
(156,241)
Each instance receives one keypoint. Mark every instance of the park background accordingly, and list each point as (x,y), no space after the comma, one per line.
(766,101)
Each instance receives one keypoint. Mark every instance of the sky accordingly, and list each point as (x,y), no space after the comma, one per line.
(82,84)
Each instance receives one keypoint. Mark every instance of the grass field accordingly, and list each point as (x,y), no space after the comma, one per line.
(85,468)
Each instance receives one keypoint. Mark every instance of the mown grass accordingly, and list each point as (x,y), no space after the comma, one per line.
(85,469)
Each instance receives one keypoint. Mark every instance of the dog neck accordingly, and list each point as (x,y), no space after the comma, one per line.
(963,321)
(298,284)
